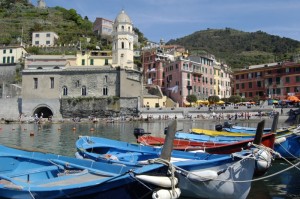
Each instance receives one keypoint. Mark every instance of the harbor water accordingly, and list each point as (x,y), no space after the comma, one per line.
(60,138)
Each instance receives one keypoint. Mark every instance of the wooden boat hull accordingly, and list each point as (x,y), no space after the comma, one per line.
(36,175)
(288,146)
(210,147)
(227,168)
(218,133)
(280,131)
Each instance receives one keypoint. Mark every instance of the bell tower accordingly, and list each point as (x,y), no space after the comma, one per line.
(122,36)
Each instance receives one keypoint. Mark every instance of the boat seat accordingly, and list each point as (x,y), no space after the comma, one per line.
(32,171)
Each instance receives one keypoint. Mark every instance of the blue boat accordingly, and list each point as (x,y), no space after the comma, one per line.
(240,129)
(288,146)
(37,175)
(201,175)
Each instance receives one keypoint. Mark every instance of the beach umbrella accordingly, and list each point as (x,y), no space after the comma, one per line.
(220,102)
(293,98)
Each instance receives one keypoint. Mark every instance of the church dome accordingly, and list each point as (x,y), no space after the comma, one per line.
(123,18)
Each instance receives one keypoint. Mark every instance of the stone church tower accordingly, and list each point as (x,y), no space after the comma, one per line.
(41,4)
(122,36)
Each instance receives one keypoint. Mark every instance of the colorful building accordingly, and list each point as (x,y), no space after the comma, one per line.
(103,27)
(273,80)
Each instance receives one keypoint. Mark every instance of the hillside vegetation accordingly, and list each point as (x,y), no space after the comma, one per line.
(239,49)
(18,19)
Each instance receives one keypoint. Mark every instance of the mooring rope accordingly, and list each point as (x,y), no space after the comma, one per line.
(171,169)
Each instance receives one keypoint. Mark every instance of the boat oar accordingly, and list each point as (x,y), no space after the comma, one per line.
(259,132)
(168,144)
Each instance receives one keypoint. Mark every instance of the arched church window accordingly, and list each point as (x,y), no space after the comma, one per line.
(83,91)
(105,90)
(122,45)
(123,28)
(65,91)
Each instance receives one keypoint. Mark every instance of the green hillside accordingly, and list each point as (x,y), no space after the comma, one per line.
(18,19)
(239,49)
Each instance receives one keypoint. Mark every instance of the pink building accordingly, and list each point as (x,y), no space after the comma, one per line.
(178,76)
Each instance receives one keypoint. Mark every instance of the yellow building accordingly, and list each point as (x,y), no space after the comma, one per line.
(94,58)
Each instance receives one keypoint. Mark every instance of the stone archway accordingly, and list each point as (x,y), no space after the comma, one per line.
(44,111)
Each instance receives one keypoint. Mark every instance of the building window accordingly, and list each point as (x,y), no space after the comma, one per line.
(4,51)
(48,42)
(105,79)
(37,42)
(52,82)
(237,86)
(297,78)
(250,85)
(105,91)
(35,83)
(37,35)
(12,59)
(287,79)
(287,89)
(65,91)
(82,62)
(122,45)
(92,62)
(8,60)
(48,35)
(4,60)
(106,62)
(259,84)
(83,91)
(77,84)
(277,80)
(10,51)
(243,85)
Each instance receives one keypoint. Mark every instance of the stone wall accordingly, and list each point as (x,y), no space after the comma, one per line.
(84,107)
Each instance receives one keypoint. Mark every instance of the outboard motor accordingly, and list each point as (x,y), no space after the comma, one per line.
(218,127)
(227,124)
(139,132)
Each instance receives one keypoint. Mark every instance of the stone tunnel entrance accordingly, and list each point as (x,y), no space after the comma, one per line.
(43,111)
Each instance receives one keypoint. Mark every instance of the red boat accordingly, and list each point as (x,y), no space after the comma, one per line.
(209,147)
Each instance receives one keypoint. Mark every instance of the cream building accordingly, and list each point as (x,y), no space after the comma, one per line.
(11,54)
(94,58)
(222,80)
(44,38)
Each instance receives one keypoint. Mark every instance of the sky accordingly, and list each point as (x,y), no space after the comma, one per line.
(172,19)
